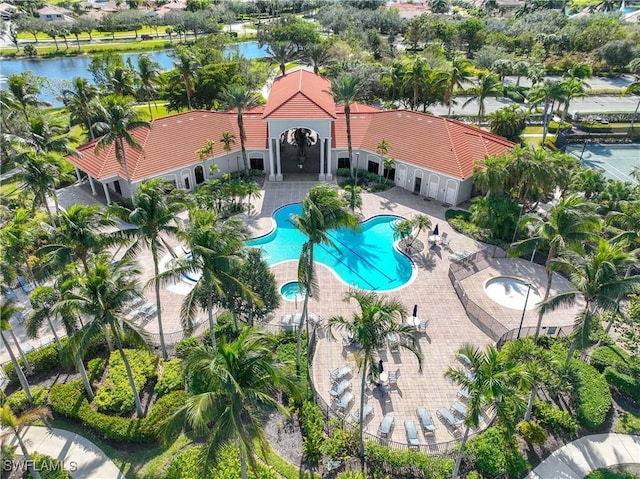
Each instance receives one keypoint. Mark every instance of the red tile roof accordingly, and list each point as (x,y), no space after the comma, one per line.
(300,94)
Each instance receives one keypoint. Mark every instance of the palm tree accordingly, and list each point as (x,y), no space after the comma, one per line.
(634,89)
(420,223)
(317,55)
(121,81)
(460,72)
(414,77)
(25,91)
(241,380)
(378,318)
(547,93)
(252,190)
(569,224)
(18,238)
(117,118)
(488,85)
(14,425)
(102,294)
(47,136)
(382,149)
(598,278)
(80,101)
(508,122)
(520,69)
(148,75)
(227,140)
(152,214)
(573,87)
(346,89)
(186,65)
(281,53)
(239,98)
(493,387)
(323,210)
(402,230)
(9,308)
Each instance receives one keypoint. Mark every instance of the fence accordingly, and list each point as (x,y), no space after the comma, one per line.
(552,331)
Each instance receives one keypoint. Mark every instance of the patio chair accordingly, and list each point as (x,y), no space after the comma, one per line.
(385,426)
(412,434)
(314,318)
(464,360)
(344,401)
(393,376)
(367,411)
(10,294)
(339,373)
(133,314)
(425,420)
(449,419)
(339,388)
(297,319)
(46,341)
(445,242)
(464,394)
(19,317)
(25,285)
(422,327)
(286,320)
(459,408)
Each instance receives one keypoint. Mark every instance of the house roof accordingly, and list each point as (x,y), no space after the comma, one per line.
(300,94)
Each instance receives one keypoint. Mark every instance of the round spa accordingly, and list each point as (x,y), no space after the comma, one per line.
(512,292)
(292,291)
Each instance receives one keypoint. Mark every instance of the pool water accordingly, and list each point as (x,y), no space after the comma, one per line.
(512,293)
(367,260)
(292,291)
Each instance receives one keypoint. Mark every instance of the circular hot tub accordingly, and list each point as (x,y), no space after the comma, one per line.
(512,292)
(292,291)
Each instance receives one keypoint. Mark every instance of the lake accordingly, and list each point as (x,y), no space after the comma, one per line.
(59,69)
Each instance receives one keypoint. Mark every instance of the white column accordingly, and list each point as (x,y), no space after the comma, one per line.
(321,176)
(106,193)
(328,150)
(278,164)
(77,173)
(93,187)
(272,175)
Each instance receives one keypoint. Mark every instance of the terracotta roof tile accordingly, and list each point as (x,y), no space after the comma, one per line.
(300,94)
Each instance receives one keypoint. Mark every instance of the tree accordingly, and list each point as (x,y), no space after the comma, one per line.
(323,210)
(186,65)
(102,294)
(240,383)
(572,88)
(281,53)
(439,6)
(488,85)
(80,101)
(508,122)
(152,215)
(148,75)
(317,55)
(493,385)
(25,91)
(378,318)
(520,69)
(547,93)
(414,77)
(227,140)
(15,424)
(382,148)
(402,230)
(420,223)
(241,99)
(598,277)
(618,53)
(634,89)
(460,72)
(9,308)
(117,118)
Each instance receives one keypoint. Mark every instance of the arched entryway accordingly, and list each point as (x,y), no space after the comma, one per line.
(300,151)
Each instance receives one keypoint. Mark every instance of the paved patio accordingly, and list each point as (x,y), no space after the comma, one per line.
(430,289)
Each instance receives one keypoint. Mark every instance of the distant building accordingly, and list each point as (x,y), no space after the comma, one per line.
(52,13)
(7,11)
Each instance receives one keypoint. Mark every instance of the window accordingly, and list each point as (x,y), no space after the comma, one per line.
(257,163)
(199,171)
(344,163)
(372,167)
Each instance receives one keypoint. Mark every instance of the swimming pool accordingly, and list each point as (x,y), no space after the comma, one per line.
(367,260)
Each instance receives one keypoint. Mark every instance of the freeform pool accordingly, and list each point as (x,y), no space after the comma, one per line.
(511,292)
(367,260)
(292,291)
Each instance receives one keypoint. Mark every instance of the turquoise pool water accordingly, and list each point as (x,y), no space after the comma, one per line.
(292,291)
(367,260)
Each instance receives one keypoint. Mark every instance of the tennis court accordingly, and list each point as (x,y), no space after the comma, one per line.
(615,161)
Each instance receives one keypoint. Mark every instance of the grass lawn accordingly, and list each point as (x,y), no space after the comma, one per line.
(133,46)
(627,424)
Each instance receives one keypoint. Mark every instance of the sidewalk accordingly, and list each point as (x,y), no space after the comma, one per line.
(580,457)
(82,458)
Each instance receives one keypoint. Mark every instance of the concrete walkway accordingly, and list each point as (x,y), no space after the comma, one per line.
(79,456)
(580,457)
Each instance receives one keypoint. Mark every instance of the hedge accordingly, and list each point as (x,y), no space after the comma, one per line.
(494,455)
(593,399)
(42,360)
(391,461)
(555,418)
(554,126)
(171,377)
(49,467)
(69,401)
(95,368)
(312,425)
(18,400)
(625,384)
(616,357)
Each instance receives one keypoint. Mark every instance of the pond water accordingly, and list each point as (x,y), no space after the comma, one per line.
(60,69)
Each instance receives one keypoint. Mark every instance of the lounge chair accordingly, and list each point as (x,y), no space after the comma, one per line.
(422,327)
(385,425)
(367,410)
(464,360)
(412,434)
(339,388)
(464,394)
(394,376)
(46,341)
(19,317)
(345,401)
(425,420)
(449,419)
(297,319)
(133,314)
(24,284)
(314,318)
(459,408)
(286,320)
(9,294)
(339,373)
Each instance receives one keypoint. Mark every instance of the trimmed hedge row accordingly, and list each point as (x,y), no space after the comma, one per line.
(593,395)
(43,360)
(69,401)
(614,356)
(312,425)
(19,403)
(171,377)
(623,383)
(557,419)
(385,460)
(495,455)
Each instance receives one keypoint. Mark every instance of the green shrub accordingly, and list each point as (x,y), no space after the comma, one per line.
(48,467)
(557,419)
(595,127)
(616,357)
(554,126)
(19,403)
(381,459)
(623,383)
(344,172)
(593,399)
(171,377)
(608,474)
(95,368)
(115,394)
(494,455)
(312,424)
(532,432)
(466,227)
(474,475)
(185,345)
(627,424)
(43,360)
(161,410)
(453,214)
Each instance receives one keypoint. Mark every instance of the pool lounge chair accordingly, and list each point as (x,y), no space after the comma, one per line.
(385,425)
(345,401)
(339,388)
(425,420)
(412,434)
(24,284)
(367,410)
(448,418)
(464,394)
(286,320)
(10,294)
(459,408)
(464,360)
(314,318)
(339,373)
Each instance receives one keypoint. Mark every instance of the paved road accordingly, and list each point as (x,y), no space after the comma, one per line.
(580,457)
(82,458)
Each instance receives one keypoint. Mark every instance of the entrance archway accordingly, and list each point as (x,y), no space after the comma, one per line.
(300,151)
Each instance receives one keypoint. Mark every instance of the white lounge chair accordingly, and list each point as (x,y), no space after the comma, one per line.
(314,318)
(464,394)
(422,327)
(459,408)
(449,419)
(345,401)
(339,388)
(425,420)
(286,320)
(366,412)
(385,425)
(412,434)
(297,319)
(394,376)
(464,360)
(339,373)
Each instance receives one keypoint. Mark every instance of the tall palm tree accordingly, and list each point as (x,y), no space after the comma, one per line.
(152,215)
(547,93)
(323,210)
(382,148)
(346,89)
(570,223)
(117,119)
(378,318)
(186,65)
(634,89)
(414,77)
(508,122)
(8,309)
(493,387)
(80,101)
(598,277)
(317,55)
(48,136)
(239,98)
(281,53)
(102,294)
(148,76)
(460,72)
(420,223)
(25,91)
(488,85)
(14,425)
(227,140)
(241,380)
(18,242)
